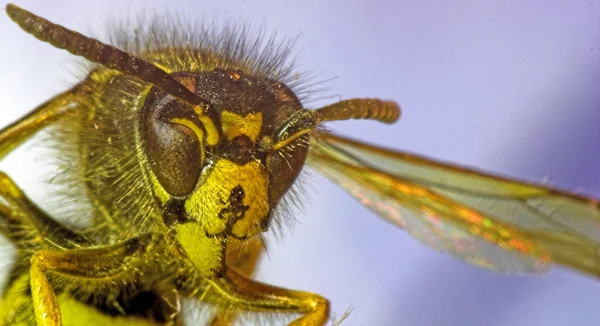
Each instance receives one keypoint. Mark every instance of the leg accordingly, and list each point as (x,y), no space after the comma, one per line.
(29,229)
(108,264)
(26,225)
(237,292)
(20,220)
(15,134)
(243,259)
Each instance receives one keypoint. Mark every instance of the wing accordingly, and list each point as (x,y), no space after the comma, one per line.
(497,223)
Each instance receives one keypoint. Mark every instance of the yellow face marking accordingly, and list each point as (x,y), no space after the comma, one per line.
(205,253)
(212,198)
(279,145)
(212,135)
(193,127)
(236,125)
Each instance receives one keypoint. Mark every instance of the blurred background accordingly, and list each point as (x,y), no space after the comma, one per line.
(511,87)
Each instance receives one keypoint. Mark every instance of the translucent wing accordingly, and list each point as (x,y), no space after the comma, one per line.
(500,224)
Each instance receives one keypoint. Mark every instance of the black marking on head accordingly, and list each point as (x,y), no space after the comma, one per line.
(236,210)
(240,150)
(174,212)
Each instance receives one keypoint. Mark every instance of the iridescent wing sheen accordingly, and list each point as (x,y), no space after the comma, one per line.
(497,223)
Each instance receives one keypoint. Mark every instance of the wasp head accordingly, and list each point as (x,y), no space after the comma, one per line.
(220,168)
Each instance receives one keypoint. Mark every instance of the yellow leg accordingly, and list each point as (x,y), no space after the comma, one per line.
(20,220)
(244,259)
(15,134)
(240,293)
(29,229)
(109,263)
(26,225)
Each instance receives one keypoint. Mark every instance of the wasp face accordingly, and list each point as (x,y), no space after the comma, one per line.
(218,171)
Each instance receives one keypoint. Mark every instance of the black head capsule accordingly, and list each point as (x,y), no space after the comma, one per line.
(188,164)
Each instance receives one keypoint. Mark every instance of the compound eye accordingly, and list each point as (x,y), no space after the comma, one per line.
(285,166)
(172,142)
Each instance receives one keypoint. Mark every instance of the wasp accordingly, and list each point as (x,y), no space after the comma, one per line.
(181,152)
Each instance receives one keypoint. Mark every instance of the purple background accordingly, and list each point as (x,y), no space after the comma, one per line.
(507,86)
